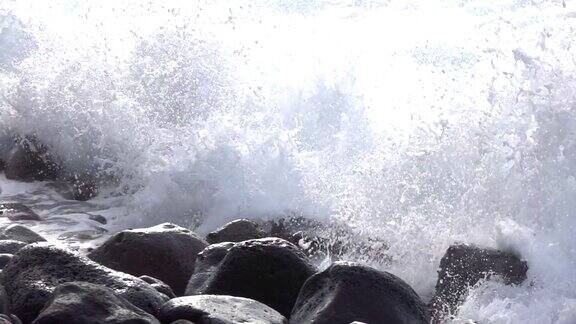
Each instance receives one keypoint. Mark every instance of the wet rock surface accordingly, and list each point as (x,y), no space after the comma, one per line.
(19,233)
(207,309)
(4,301)
(159,286)
(269,270)
(86,303)
(464,266)
(30,161)
(4,259)
(17,212)
(11,246)
(37,269)
(9,319)
(166,251)
(348,292)
(236,231)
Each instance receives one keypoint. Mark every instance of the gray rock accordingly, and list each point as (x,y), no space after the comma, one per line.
(236,231)
(348,292)
(4,259)
(4,301)
(269,270)
(159,286)
(19,233)
(30,161)
(182,322)
(208,309)
(9,319)
(166,251)
(86,303)
(37,269)
(98,218)
(11,246)
(17,212)
(464,266)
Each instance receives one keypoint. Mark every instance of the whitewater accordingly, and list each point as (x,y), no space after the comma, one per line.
(420,122)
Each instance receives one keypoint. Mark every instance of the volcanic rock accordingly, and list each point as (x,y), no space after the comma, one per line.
(19,233)
(159,285)
(86,303)
(464,266)
(348,292)
(269,270)
(207,309)
(17,212)
(30,161)
(11,246)
(166,251)
(37,269)
(235,231)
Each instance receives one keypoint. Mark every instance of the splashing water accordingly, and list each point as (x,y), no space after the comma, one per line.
(422,122)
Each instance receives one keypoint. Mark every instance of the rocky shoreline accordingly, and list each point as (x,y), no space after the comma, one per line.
(245,272)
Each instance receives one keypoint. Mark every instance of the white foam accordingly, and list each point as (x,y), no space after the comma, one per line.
(423,122)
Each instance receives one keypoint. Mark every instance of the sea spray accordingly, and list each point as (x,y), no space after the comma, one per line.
(421,122)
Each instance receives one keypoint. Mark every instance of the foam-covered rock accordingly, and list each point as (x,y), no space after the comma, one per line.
(464,266)
(86,303)
(17,212)
(206,309)
(235,231)
(348,292)
(19,233)
(269,270)
(166,251)
(11,246)
(37,269)
(328,240)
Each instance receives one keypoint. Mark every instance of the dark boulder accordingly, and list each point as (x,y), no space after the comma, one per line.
(166,251)
(19,233)
(348,292)
(86,303)
(4,259)
(4,301)
(17,212)
(30,161)
(37,269)
(269,270)
(11,246)
(9,319)
(98,218)
(236,231)
(160,286)
(464,266)
(207,309)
